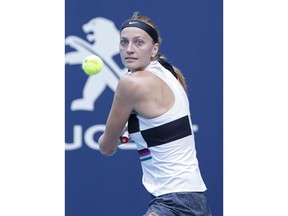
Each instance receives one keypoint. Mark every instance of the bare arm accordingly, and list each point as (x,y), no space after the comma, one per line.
(121,109)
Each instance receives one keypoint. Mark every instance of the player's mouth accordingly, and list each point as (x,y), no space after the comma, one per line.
(128,59)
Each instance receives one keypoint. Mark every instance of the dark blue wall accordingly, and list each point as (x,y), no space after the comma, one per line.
(192,33)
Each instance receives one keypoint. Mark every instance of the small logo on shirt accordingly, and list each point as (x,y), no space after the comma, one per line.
(153,214)
(144,154)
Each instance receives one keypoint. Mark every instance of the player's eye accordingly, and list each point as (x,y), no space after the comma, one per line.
(139,42)
(123,43)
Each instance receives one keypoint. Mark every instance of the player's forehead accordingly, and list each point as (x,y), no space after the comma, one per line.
(134,32)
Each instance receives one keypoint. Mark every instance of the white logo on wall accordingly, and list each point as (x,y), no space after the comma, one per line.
(102,40)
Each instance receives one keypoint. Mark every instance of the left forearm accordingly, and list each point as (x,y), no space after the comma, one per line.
(106,148)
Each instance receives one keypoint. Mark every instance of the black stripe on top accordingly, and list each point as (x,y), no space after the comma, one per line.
(168,132)
(133,123)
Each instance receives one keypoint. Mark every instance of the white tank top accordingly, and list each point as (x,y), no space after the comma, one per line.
(166,144)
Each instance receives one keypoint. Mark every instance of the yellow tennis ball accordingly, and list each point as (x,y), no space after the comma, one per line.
(92,64)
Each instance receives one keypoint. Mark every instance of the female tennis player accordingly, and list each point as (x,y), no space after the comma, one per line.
(152,98)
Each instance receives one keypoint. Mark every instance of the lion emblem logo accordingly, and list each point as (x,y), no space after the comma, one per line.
(103,40)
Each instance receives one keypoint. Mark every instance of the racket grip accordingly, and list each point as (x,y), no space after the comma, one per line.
(124,138)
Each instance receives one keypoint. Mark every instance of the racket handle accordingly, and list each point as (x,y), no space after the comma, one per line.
(124,138)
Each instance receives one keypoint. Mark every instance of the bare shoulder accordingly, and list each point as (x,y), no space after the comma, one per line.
(147,94)
(133,84)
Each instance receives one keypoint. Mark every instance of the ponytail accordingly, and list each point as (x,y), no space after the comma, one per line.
(174,70)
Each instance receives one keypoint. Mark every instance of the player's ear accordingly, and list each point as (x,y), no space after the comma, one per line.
(155,50)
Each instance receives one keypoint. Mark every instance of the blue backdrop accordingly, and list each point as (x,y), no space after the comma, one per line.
(192,33)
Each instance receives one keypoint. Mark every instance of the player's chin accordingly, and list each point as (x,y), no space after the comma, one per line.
(132,66)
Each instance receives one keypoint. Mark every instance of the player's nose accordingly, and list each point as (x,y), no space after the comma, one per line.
(130,48)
